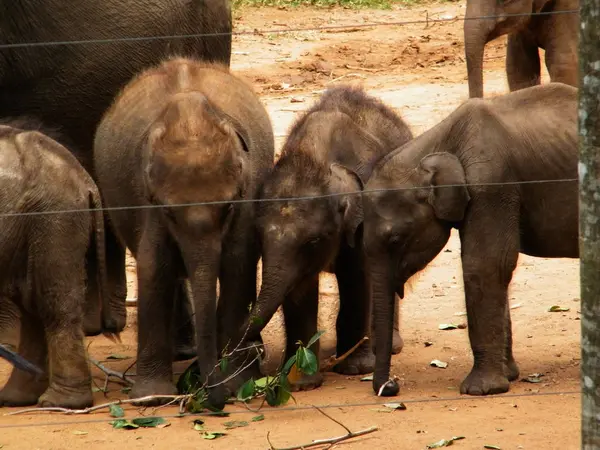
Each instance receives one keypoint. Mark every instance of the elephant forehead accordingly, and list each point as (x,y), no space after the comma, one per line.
(279,231)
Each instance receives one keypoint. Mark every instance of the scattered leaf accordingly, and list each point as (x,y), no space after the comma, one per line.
(438,363)
(493,447)
(198,424)
(212,435)
(125,390)
(306,361)
(395,406)
(518,305)
(256,320)
(557,308)
(123,424)
(235,424)
(80,433)
(533,378)
(116,411)
(258,418)
(445,442)
(247,390)
(262,382)
(117,356)
(447,326)
(223,364)
(148,422)
(428,343)
(367,378)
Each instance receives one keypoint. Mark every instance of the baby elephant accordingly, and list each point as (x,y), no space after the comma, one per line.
(42,255)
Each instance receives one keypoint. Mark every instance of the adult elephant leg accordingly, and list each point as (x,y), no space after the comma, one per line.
(522,62)
(512,369)
(24,388)
(397,341)
(10,323)
(561,61)
(300,312)
(156,273)
(355,310)
(183,324)
(490,248)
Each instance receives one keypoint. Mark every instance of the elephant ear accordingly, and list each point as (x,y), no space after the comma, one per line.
(343,179)
(450,201)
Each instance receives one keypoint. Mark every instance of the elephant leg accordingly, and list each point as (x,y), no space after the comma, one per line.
(300,312)
(522,62)
(562,64)
(24,388)
(183,325)
(354,314)
(157,284)
(512,369)
(10,323)
(397,341)
(490,248)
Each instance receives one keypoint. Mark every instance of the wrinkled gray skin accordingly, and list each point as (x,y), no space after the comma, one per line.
(43,259)
(185,132)
(69,87)
(331,149)
(527,135)
(557,34)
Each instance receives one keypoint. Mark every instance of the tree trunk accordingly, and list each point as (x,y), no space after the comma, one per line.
(589,219)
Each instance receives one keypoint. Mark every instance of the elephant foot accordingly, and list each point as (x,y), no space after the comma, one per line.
(70,400)
(485,382)
(511,370)
(388,388)
(152,388)
(183,352)
(397,343)
(22,396)
(307,382)
(360,362)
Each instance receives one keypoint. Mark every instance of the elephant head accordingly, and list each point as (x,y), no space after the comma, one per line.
(502,17)
(196,165)
(300,238)
(404,230)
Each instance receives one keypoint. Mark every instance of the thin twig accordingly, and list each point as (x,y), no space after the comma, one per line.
(330,441)
(112,373)
(333,361)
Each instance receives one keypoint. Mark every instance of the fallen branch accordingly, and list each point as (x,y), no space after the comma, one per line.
(348,66)
(113,373)
(330,442)
(334,361)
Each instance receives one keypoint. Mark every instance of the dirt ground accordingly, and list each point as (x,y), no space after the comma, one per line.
(419,69)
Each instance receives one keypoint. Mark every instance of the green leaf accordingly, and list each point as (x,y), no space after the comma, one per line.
(148,422)
(367,378)
(189,381)
(306,361)
(315,338)
(235,424)
(256,320)
(447,326)
(261,383)
(198,425)
(557,308)
(493,447)
(117,356)
(288,365)
(258,418)
(125,390)
(247,390)
(223,364)
(212,435)
(116,411)
(123,424)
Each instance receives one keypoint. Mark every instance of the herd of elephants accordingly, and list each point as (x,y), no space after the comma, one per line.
(153,145)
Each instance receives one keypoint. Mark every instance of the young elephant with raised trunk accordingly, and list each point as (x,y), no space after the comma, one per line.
(330,151)
(489,170)
(180,144)
(42,256)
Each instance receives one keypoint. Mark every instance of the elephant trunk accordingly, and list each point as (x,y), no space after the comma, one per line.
(383,292)
(203,272)
(476,33)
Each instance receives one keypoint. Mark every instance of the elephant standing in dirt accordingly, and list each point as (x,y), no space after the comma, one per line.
(453,176)
(43,257)
(181,133)
(557,33)
(69,87)
(330,151)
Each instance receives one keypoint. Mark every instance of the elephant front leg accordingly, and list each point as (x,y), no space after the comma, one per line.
(183,324)
(300,311)
(489,259)
(156,289)
(523,68)
(353,317)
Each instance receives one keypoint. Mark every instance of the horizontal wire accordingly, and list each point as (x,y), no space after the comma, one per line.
(276,31)
(282,199)
(301,408)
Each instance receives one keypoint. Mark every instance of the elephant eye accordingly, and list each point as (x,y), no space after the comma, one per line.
(314,241)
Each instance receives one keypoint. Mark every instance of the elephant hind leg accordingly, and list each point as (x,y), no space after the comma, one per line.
(24,388)
(300,312)
(523,67)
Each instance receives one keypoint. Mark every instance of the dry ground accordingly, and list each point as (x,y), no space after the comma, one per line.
(418,68)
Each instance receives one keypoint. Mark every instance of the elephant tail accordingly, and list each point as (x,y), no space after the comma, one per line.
(109,324)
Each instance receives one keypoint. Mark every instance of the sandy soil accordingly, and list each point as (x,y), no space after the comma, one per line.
(418,68)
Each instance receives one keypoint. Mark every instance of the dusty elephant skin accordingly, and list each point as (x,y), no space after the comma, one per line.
(557,34)
(330,150)
(185,132)
(523,136)
(43,259)
(69,87)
